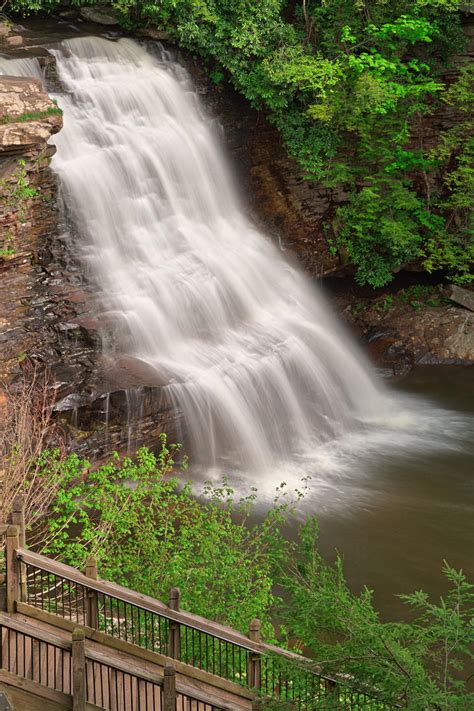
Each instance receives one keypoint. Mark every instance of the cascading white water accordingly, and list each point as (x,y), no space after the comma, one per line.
(21,67)
(254,358)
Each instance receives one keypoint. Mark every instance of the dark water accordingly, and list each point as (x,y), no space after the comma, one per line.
(411,511)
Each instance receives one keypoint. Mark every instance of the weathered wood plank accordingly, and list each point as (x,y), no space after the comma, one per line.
(169,688)
(78,670)
(29,628)
(13,583)
(127,652)
(205,689)
(32,687)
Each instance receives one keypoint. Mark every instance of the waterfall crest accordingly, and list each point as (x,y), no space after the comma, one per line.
(21,67)
(252,355)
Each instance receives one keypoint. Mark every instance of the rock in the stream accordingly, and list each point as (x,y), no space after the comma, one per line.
(15,40)
(430,336)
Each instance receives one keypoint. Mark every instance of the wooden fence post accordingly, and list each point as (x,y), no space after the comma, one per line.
(78,670)
(330,685)
(169,688)
(174,640)
(18,519)
(255,660)
(13,581)
(92,608)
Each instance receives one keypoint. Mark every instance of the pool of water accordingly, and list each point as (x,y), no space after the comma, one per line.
(395,500)
(410,510)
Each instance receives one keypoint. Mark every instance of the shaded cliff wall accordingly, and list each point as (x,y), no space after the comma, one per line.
(47,310)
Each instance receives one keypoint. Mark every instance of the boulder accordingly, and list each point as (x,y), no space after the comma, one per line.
(152,33)
(15,40)
(460,296)
(430,336)
(102,15)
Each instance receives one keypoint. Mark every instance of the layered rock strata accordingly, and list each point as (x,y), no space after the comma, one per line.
(27,209)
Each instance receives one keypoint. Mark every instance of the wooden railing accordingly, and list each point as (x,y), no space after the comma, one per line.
(37,583)
(72,669)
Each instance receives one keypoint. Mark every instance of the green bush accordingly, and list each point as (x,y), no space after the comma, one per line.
(150,534)
(424,664)
(346,82)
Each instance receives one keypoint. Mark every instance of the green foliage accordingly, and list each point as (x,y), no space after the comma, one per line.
(345,81)
(27,7)
(454,244)
(419,665)
(150,534)
(418,295)
(16,191)
(380,238)
(8,250)
(344,101)
(385,305)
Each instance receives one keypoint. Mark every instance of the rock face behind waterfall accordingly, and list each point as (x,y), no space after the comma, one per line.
(47,311)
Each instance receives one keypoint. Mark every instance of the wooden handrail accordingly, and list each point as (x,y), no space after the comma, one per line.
(227,634)
(17,625)
(196,622)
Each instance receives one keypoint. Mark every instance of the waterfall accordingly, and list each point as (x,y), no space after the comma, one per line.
(252,355)
(21,67)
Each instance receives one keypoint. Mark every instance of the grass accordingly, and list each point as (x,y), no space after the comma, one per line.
(31,116)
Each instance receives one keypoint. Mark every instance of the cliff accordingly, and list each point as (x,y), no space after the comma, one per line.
(27,209)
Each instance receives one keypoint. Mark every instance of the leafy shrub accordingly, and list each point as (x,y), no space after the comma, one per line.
(150,534)
(424,664)
(345,82)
